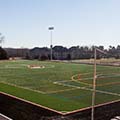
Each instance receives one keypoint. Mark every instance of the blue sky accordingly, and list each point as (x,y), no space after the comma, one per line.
(24,23)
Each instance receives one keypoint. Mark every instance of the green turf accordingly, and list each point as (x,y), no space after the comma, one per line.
(56,86)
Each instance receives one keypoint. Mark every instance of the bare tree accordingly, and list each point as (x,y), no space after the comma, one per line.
(1,39)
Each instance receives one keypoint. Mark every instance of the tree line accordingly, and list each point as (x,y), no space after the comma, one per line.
(61,53)
(74,52)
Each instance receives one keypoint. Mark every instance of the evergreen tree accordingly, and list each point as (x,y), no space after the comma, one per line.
(3,54)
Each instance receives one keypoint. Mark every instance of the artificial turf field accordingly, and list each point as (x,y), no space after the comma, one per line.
(60,86)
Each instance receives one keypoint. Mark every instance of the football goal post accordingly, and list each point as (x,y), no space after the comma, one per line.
(96,50)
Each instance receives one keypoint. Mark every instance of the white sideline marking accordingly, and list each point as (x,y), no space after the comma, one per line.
(23,87)
(5,117)
(88,89)
(61,90)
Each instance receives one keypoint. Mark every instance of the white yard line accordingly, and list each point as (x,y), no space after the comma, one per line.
(88,89)
(58,91)
(78,81)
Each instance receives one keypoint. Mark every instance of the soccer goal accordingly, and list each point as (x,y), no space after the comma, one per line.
(106,79)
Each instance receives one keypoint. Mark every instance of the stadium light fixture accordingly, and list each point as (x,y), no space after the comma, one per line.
(51,29)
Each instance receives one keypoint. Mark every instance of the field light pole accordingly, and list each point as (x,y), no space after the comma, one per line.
(51,29)
(94,86)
